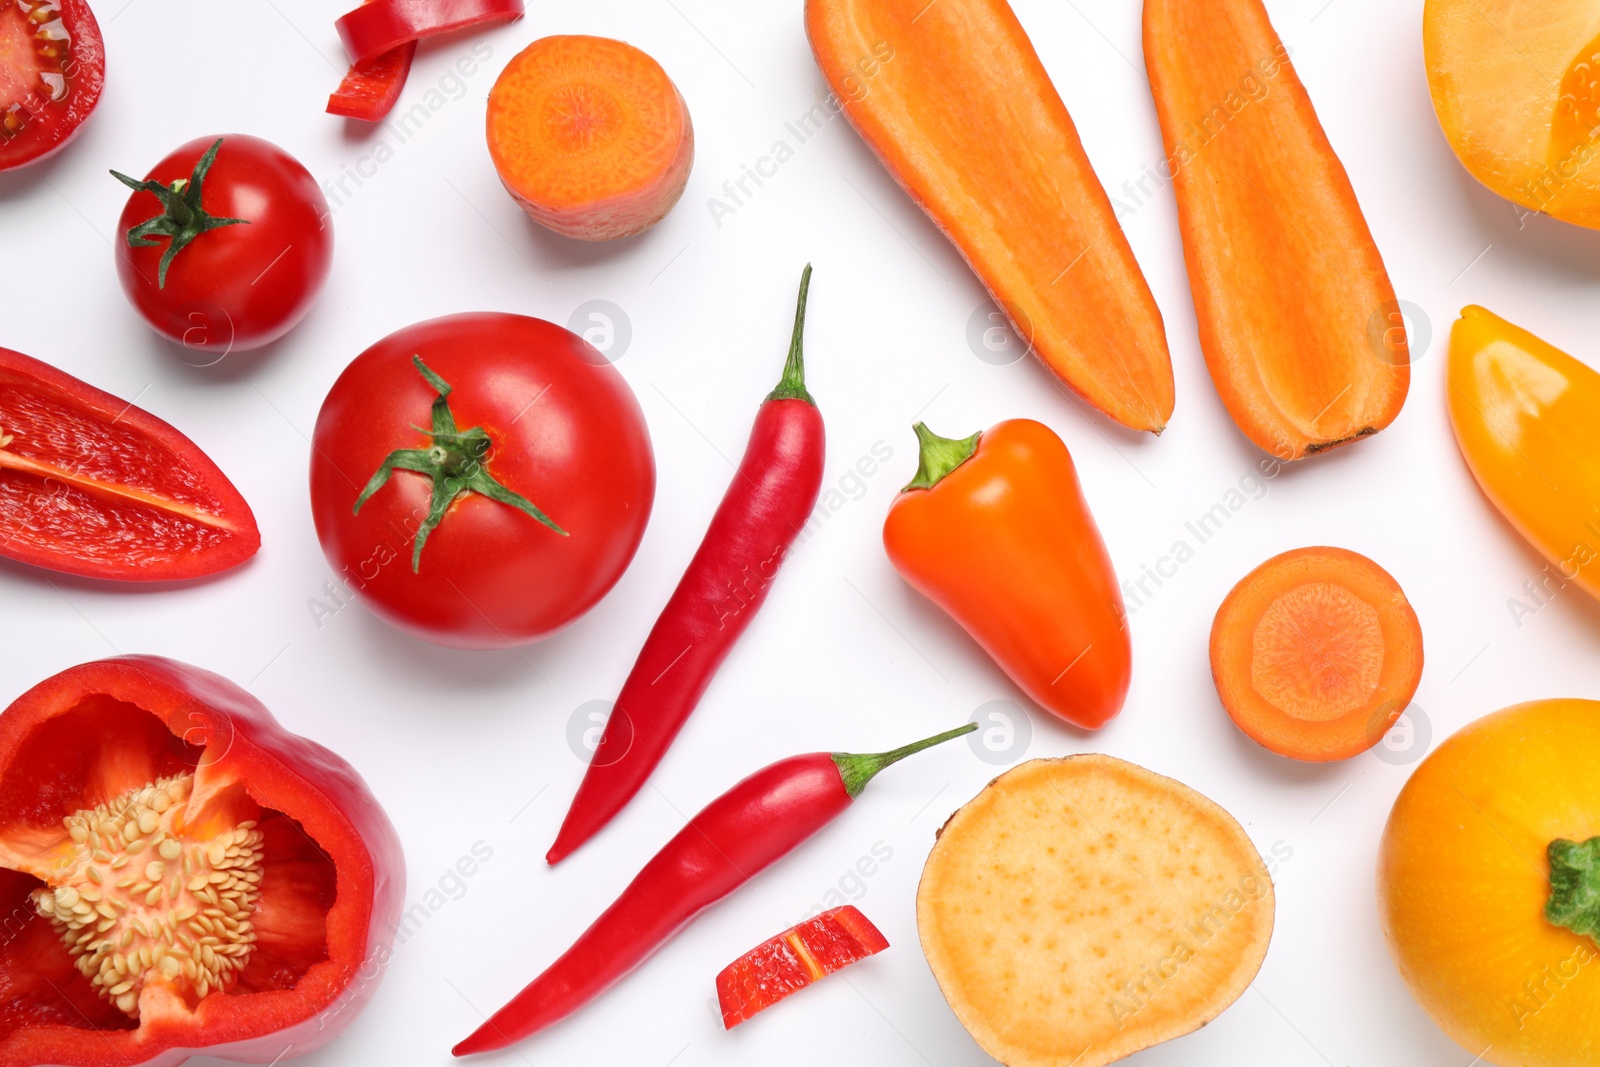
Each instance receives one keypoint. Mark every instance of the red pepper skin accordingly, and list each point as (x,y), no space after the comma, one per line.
(734,838)
(93,486)
(765,508)
(383,25)
(800,956)
(371,88)
(283,771)
(737,836)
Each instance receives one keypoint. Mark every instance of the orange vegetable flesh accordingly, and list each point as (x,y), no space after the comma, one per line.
(1298,322)
(1081,909)
(1515,88)
(590,136)
(954,101)
(1315,653)
(1577,114)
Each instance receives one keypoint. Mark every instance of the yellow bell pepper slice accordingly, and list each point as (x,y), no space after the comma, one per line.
(1527,419)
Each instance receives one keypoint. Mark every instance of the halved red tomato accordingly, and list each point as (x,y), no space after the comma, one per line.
(92,485)
(52,68)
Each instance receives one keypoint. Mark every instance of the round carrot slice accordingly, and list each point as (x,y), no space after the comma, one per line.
(1316,653)
(590,136)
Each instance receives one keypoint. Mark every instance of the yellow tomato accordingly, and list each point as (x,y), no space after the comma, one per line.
(1527,418)
(1471,887)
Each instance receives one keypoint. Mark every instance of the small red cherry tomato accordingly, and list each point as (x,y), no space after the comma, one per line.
(52,67)
(227,243)
(481,480)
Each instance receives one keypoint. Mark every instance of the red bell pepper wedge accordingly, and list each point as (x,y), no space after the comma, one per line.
(796,958)
(766,506)
(371,88)
(384,25)
(381,37)
(734,838)
(93,486)
(226,888)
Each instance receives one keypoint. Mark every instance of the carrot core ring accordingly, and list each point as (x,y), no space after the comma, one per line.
(590,136)
(1316,653)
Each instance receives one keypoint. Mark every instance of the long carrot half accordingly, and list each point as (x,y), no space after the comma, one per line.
(954,101)
(1298,321)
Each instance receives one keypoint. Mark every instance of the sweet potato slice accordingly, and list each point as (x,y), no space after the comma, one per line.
(1298,322)
(1079,910)
(954,101)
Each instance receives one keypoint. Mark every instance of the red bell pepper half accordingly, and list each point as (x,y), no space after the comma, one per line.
(179,875)
(793,960)
(93,486)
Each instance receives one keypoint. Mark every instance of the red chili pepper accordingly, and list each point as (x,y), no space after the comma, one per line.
(384,25)
(371,88)
(727,581)
(733,839)
(801,955)
(180,875)
(93,486)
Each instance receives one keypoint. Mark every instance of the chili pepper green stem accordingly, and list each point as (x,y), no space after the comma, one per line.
(939,456)
(857,770)
(793,384)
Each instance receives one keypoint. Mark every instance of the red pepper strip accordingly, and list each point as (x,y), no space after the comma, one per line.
(794,959)
(733,839)
(93,486)
(221,813)
(372,86)
(727,581)
(383,25)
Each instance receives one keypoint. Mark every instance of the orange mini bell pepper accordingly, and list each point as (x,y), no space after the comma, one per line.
(996,531)
(1527,418)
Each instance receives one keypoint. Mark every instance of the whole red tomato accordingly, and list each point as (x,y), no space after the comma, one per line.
(52,68)
(481,480)
(227,243)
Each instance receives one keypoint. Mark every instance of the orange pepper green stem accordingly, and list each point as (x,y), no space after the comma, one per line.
(995,530)
(1527,419)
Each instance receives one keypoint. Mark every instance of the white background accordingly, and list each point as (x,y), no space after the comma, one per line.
(463,747)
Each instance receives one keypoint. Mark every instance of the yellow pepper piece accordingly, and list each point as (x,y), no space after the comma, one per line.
(1527,419)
